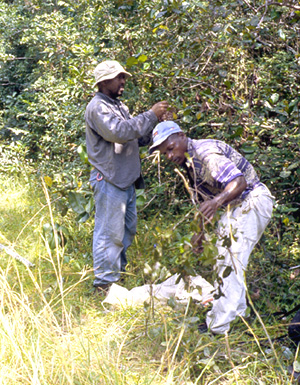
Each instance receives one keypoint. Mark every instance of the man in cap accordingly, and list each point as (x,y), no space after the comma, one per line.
(113,138)
(223,179)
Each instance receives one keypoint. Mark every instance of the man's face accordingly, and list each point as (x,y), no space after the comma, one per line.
(174,148)
(114,87)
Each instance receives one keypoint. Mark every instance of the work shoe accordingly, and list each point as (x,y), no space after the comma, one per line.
(102,289)
(202,328)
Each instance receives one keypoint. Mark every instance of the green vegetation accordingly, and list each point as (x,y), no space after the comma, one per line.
(54,330)
(230,71)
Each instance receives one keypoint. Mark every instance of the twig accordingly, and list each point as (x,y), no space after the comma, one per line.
(250,6)
(8,84)
(18,58)
(282,5)
(148,203)
(294,267)
(205,65)
(182,220)
(263,16)
(15,255)
(186,185)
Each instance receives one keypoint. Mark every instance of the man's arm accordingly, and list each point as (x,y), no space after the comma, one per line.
(114,129)
(159,110)
(230,192)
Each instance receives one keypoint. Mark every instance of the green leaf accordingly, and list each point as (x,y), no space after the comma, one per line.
(296,366)
(131,61)
(81,150)
(274,98)
(90,205)
(227,271)
(77,202)
(281,34)
(48,180)
(226,242)
(142,58)
(285,174)
(47,228)
(248,149)
(187,119)
(83,217)
(268,105)
(293,165)
(140,201)
(254,21)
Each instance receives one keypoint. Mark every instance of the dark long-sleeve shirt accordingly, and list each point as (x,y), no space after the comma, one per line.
(113,138)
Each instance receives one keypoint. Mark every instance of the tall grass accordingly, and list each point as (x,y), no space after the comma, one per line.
(54,330)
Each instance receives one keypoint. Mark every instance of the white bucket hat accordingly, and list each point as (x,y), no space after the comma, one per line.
(107,70)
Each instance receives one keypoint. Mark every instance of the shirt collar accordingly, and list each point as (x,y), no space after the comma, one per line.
(190,150)
(107,98)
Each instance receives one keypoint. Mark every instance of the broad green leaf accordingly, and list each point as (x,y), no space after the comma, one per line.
(227,271)
(48,180)
(248,149)
(90,205)
(286,221)
(83,217)
(131,61)
(293,166)
(77,202)
(142,58)
(296,366)
(285,174)
(268,105)
(81,150)
(274,98)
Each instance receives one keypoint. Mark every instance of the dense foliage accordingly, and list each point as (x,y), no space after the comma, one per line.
(230,70)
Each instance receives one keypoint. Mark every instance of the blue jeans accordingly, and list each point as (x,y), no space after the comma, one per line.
(115,228)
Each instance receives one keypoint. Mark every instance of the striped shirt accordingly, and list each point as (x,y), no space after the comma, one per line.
(213,164)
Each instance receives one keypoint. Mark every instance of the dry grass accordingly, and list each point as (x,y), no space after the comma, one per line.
(53,331)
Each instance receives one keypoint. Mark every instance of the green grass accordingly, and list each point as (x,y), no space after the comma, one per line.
(54,330)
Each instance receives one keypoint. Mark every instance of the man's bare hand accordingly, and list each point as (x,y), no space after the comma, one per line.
(231,191)
(170,114)
(208,209)
(160,109)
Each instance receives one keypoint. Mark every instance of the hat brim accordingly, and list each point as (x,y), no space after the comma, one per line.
(154,146)
(111,76)
(161,140)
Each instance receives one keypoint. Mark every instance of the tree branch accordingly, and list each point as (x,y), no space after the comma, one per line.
(296,7)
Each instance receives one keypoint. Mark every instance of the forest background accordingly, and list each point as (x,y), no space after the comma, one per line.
(231,71)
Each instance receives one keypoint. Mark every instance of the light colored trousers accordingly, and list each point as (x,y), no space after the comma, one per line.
(246,223)
(115,228)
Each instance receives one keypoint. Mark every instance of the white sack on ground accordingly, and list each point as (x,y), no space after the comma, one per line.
(200,291)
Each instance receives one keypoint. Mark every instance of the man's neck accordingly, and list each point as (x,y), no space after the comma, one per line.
(108,96)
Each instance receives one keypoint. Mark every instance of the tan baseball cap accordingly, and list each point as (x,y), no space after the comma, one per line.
(108,69)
